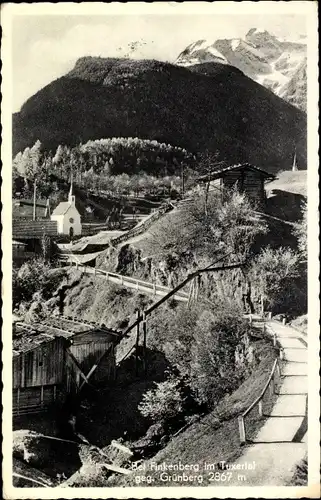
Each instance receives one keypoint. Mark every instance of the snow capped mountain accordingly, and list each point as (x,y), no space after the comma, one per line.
(295,89)
(200,51)
(267,59)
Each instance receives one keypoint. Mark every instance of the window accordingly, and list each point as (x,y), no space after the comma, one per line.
(71,220)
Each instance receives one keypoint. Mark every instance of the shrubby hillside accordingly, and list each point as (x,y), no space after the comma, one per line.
(222,111)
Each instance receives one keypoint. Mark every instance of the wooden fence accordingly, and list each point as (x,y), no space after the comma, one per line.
(133,283)
(270,387)
(141,227)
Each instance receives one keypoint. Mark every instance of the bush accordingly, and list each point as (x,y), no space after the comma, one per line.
(213,370)
(273,274)
(28,280)
(207,227)
(300,232)
(34,276)
(164,402)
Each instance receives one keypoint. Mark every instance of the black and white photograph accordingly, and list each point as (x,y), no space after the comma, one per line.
(160,250)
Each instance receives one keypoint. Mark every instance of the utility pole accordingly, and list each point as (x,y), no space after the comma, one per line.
(34,199)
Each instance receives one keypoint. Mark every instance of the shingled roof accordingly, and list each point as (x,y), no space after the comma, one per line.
(27,229)
(217,174)
(62,208)
(28,337)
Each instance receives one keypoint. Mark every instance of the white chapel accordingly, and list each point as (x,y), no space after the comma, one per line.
(67,216)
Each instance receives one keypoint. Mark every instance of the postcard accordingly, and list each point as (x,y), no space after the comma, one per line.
(160,250)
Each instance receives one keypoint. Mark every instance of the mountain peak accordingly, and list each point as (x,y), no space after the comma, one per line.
(267,59)
(256,31)
(196,108)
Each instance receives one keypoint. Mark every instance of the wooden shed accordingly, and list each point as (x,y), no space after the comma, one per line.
(49,363)
(91,353)
(38,371)
(245,177)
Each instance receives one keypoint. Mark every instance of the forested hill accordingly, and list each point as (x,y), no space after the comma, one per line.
(220,109)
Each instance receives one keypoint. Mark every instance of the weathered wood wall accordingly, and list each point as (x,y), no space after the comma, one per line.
(33,399)
(253,186)
(247,181)
(43,365)
(88,348)
(42,373)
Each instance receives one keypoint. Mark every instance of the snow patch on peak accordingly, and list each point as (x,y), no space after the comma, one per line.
(235,43)
(195,45)
(216,53)
(259,30)
(204,45)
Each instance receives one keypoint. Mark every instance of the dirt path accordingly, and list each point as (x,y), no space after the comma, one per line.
(282,441)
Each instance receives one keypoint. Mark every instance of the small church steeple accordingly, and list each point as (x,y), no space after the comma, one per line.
(294,165)
(71,197)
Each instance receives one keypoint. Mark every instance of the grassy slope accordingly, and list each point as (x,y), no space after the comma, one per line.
(292,182)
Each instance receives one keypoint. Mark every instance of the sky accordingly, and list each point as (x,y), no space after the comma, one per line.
(45,47)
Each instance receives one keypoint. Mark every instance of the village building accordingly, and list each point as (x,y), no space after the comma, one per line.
(30,209)
(245,177)
(28,238)
(20,253)
(51,362)
(67,217)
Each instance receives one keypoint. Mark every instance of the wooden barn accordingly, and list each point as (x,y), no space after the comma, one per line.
(247,178)
(50,362)
(30,234)
(91,355)
(38,371)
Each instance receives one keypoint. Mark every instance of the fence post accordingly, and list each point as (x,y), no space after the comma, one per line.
(261,408)
(154,289)
(274,339)
(251,319)
(137,340)
(273,385)
(274,382)
(241,429)
(144,342)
